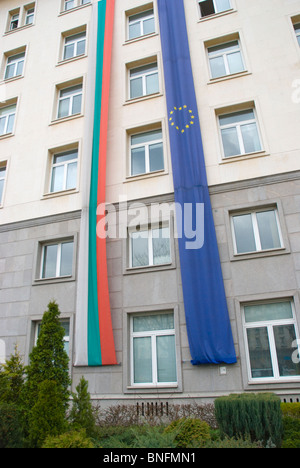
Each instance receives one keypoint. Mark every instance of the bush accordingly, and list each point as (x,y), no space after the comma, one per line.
(232,443)
(291,432)
(10,427)
(291,409)
(189,432)
(72,439)
(257,416)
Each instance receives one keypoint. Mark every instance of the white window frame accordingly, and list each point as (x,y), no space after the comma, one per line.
(75,43)
(269,324)
(14,22)
(66,167)
(146,16)
(238,126)
(58,259)
(70,98)
(215,8)
(224,54)
(7,116)
(66,338)
(3,168)
(149,230)
(74,3)
(144,74)
(146,145)
(12,60)
(66,5)
(297,31)
(257,239)
(153,334)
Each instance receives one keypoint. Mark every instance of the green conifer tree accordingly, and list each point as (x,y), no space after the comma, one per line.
(81,415)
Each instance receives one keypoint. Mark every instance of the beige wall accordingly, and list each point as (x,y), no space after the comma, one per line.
(272,58)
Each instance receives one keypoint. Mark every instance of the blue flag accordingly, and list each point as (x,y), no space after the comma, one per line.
(207,318)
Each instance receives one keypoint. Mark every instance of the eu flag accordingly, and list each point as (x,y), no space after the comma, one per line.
(207,318)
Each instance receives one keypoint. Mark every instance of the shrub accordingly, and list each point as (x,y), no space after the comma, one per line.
(291,432)
(72,439)
(257,416)
(10,428)
(232,443)
(81,415)
(189,432)
(291,409)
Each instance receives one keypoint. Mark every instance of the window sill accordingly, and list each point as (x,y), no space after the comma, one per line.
(260,254)
(220,79)
(66,119)
(60,193)
(244,157)
(140,38)
(152,386)
(145,176)
(20,28)
(142,98)
(149,268)
(70,60)
(7,135)
(55,280)
(14,78)
(217,15)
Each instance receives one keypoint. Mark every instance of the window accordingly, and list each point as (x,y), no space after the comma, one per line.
(21,17)
(225,59)
(270,333)
(7,119)
(14,21)
(149,247)
(57,260)
(64,171)
(29,16)
(297,31)
(211,7)
(153,355)
(141,24)
(2,181)
(146,152)
(69,101)
(256,231)
(66,339)
(239,132)
(70,4)
(143,81)
(74,45)
(14,66)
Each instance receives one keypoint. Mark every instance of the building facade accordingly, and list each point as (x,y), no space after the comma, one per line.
(245,59)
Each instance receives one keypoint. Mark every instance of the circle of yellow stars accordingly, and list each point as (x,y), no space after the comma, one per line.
(188,117)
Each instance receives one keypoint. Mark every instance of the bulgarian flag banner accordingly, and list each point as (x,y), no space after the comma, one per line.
(94,342)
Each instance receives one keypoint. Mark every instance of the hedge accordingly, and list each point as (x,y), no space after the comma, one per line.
(250,415)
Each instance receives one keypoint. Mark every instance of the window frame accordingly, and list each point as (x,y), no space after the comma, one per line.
(3,167)
(153,334)
(146,16)
(144,76)
(254,224)
(297,31)
(8,115)
(215,9)
(228,73)
(269,325)
(237,126)
(58,265)
(149,229)
(146,146)
(16,63)
(68,36)
(66,338)
(63,88)
(65,164)
(76,4)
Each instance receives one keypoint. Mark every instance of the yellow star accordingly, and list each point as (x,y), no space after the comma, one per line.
(187,126)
